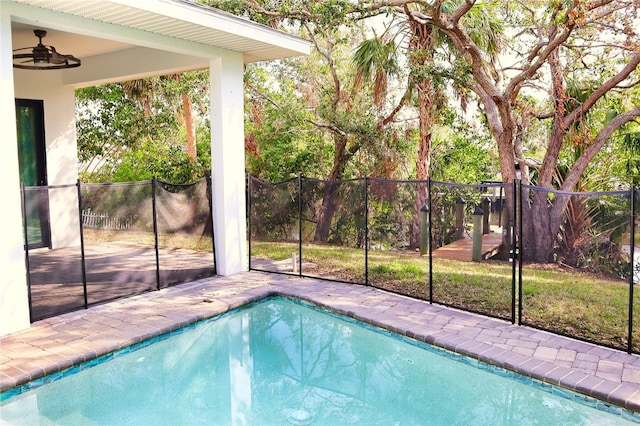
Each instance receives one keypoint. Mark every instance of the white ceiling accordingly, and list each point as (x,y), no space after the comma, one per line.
(65,43)
(183,20)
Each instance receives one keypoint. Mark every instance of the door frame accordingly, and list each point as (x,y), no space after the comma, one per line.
(40,196)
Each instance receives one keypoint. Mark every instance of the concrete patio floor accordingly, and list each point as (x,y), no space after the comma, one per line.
(113,270)
(57,343)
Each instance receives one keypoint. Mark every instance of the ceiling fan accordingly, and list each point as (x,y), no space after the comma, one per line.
(43,57)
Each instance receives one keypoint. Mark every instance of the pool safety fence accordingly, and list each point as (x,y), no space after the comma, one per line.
(417,238)
(92,243)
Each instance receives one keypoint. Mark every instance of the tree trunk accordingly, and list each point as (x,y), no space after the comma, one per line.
(189,127)
(423,163)
(541,225)
(536,242)
(329,205)
(327,211)
(421,46)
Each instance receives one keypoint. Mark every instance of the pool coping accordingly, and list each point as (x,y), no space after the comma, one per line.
(58,343)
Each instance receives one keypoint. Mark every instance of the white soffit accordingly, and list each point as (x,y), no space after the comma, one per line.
(185,20)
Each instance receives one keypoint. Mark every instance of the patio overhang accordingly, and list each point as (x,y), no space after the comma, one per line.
(145,37)
(119,40)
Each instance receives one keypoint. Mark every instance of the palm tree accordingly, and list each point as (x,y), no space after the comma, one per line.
(144,90)
(376,59)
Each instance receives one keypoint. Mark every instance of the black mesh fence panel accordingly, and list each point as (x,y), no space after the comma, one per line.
(185,232)
(119,240)
(483,284)
(274,226)
(398,250)
(591,302)
(581,281)
(55,276)
(333,229)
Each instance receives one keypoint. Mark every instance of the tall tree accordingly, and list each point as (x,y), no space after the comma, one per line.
(116,121)
(592,43)
(556,42)
(421,46)
(169,88)
(338,108)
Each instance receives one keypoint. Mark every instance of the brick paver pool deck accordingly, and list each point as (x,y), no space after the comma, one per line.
(57,343)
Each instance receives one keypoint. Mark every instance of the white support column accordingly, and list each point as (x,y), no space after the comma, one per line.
(227,163)
(14,305)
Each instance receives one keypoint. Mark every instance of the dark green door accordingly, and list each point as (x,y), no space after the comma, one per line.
(33,170)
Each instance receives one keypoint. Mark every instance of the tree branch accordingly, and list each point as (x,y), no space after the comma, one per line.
(331,127)
(603,136)
(327,55)
(579,112)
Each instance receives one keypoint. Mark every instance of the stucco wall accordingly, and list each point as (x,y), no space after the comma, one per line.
(61,148)
(14,306)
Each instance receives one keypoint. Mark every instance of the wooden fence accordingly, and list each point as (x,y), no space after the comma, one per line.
(103,221)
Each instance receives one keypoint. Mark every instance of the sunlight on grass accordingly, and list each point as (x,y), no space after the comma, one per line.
(273,251)
(165,240)
(564,301)
(577,304)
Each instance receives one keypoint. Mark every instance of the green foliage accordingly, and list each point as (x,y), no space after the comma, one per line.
(108,122)
(167,162)
(461,154)
(135,130)
(375,58)
(288,13)
(281,142)
(299,117)
(617,165)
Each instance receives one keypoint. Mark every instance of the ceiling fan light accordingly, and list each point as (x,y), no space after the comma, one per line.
(41,54)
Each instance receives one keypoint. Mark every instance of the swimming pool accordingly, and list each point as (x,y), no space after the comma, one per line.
(282,362)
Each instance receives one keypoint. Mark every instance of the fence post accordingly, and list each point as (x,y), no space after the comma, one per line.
(430,218)
(155,230)
(500,208)
(459,218)
(82,254)
(300,224)
(516,249)
(249,192)
(366,230)
(505,214)
(632,243)
(486,208)
(476,252)
(424,231)
(26,246)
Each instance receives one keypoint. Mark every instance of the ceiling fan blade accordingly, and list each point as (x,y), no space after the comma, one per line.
(43,57)
(57,58)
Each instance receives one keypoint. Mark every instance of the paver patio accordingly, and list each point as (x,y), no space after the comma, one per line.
(60,342)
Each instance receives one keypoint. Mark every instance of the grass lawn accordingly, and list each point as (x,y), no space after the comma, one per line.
(565,301)
(165,240)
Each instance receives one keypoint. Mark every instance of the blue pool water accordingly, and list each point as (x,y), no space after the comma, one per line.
(281,362)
